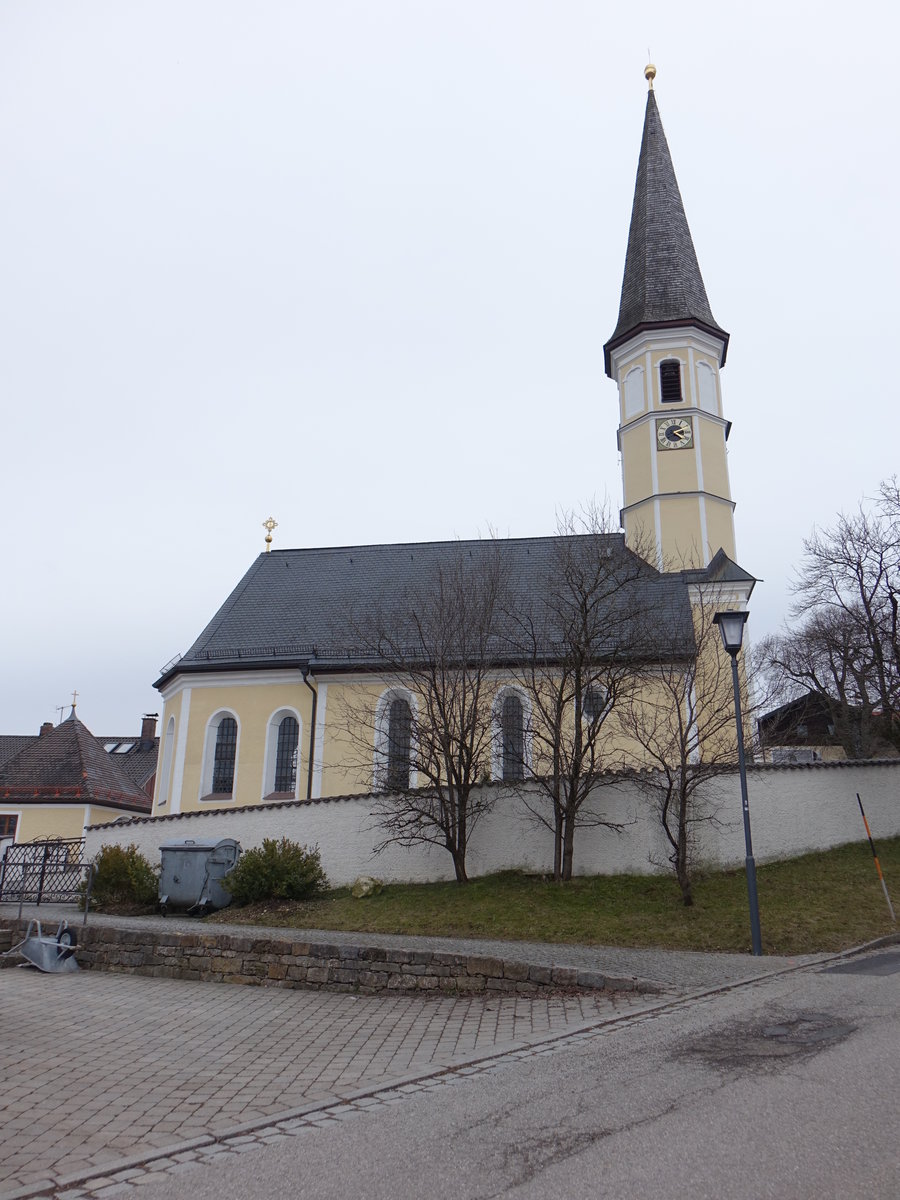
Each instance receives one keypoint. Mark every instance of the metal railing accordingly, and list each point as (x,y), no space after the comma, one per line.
(48,872)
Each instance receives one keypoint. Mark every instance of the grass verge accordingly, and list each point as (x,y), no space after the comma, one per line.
(825,901)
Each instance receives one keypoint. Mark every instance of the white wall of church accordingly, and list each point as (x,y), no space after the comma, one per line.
(792,810)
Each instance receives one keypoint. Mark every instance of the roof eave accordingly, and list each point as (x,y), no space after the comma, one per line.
(682,323)
(237,664)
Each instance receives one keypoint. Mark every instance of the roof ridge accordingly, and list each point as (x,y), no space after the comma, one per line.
(477,541)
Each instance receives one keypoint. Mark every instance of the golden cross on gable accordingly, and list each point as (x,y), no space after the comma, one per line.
(269,524)
(74,699)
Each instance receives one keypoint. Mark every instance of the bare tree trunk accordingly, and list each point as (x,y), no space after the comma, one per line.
(557,842)
(682,873)
(568,847)
(459,865)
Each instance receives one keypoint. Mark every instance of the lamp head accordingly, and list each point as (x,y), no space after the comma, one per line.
(731,626)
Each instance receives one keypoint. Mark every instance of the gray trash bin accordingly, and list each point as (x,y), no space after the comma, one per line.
(192,872)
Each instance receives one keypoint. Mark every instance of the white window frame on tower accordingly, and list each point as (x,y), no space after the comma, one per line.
(671,358)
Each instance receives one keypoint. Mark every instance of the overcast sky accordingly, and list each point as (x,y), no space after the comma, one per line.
(353,263)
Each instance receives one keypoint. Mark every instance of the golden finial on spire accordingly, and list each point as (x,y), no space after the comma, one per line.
(269,524)
(650,72)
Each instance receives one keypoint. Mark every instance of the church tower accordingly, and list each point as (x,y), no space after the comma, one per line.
(665,355)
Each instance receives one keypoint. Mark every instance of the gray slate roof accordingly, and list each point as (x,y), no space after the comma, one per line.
(662,284)
(301,607)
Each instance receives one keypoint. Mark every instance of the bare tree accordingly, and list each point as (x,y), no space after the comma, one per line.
(680,733)
(843,644)
(431,733)
(574,645)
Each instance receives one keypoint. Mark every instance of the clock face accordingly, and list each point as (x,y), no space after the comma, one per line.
(675,433)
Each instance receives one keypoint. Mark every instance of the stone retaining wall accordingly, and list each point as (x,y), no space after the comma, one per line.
(286,962)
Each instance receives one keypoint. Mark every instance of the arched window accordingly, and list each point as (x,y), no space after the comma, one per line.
(399,745)
(670,381)
(511,750)
(512,736)
(224,757)
(395,740)
(594,703)
(281,765)
(286,755)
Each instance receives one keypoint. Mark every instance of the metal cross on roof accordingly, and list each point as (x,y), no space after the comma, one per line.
(269,524)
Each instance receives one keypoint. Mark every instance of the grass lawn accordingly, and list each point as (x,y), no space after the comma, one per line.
(825,901)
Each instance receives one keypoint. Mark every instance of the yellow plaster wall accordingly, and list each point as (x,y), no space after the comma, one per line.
(676,470)
(682,536)
(253,705)
(720,527)
(347,758)
(636,452)
(40,821)
(715,463)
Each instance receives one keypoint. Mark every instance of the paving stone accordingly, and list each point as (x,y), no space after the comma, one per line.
(135,1081)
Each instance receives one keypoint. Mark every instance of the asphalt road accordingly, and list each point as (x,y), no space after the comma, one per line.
(785,1088)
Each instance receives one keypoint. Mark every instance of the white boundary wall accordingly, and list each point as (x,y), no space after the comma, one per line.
(792,810)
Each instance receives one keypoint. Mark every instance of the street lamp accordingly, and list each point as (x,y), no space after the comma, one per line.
(731,626)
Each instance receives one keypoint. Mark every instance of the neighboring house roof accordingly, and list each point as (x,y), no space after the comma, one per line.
(662,285)
(12,743)
(67,764)
(300,607)
(136,757)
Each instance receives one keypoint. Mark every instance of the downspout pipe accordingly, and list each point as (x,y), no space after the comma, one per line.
(312,730)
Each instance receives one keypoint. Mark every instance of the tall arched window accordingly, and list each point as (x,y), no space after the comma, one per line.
(399,745)
(286,755)
(225,754)
(511,740)
(512,734)
(670,381)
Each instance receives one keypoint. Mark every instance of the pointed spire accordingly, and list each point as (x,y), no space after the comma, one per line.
(662,285)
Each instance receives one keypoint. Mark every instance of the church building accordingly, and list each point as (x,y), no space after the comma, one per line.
(256,710)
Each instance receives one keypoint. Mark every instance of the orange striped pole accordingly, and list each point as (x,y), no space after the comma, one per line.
(877,863)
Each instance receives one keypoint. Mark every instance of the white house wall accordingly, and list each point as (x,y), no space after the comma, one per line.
(792,810)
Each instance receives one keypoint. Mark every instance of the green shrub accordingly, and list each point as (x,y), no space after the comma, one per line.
(282,870)
(123,878)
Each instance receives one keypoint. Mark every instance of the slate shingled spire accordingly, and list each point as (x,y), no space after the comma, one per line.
(662,285)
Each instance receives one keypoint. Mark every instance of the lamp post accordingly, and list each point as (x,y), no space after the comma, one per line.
(731,626)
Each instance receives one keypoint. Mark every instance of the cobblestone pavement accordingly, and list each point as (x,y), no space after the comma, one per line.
(97,1068)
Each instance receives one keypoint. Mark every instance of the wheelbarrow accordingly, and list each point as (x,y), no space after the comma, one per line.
(48,953)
